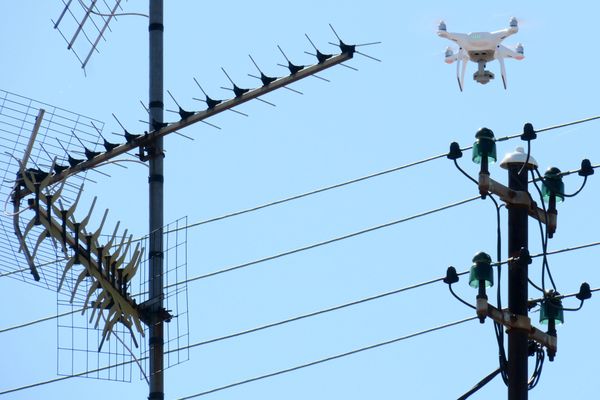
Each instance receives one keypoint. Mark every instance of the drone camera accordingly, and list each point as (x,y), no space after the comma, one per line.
(449,52)
(483,77)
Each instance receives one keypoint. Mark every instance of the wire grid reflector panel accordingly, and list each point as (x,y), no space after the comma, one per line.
(78,339)
(56,137)
(176,336)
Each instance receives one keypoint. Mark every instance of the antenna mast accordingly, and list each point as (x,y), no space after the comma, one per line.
(156,198)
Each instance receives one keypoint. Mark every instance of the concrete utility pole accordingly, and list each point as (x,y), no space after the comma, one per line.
(156,197)
(518,339)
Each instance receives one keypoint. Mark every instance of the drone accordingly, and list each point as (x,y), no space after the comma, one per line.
(480,47)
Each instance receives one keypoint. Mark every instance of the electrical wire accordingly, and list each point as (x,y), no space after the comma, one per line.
(567,249)
(544,236)
(457,297)
(37,321)
(315,313)
(90,10)
(356,302)
(312,192)
(480,384)
(580,121)
(327,359)
(323,243)
(465,173)
(64,378)
(362,349)
(540,356)
(360,179)
(498,329)
(269,326)
(297,318)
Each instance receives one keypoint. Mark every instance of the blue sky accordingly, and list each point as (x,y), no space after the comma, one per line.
(406,108)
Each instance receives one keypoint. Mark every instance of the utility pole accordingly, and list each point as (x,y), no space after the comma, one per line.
(518,339)
(520,206)
(155,198)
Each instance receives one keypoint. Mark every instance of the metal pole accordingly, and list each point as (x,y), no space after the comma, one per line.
(517,286)
(156,208)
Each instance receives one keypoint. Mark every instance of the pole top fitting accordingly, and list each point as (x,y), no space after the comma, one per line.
(517,158)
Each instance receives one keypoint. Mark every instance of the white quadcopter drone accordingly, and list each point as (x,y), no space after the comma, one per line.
(480,47)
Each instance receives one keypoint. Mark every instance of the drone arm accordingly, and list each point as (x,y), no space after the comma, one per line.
(503,52)
(460,38)
(504,33)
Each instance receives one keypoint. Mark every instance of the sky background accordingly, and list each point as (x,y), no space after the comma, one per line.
(406,108)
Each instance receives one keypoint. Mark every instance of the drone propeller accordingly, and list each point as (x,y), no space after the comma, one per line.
(442,25)
(519,49)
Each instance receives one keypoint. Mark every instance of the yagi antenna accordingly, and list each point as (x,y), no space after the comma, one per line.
(89,154)
(294,69)
(100,21)
(239,92)
(155,125)
(321,58)
(72,161)
(266,80)
(214,106)
(107,145)
(210,103)
(57,167)
(182,113)
(129,137)
(352,48)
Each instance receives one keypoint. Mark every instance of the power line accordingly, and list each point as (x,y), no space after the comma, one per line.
(440,327)
(331,358)
(567,249)
(63,378)
(265,327)
(314,313)
(363,178)
(312,192)
(278,323)
(37,321)
(414,286)
(323,243)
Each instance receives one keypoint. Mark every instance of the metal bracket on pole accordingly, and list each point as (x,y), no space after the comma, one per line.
(519,199)
(513,321)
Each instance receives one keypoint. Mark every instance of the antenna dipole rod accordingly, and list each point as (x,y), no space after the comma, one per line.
(101,34)
(80,27)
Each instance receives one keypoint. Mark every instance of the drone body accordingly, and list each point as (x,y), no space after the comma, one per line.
(480,47)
